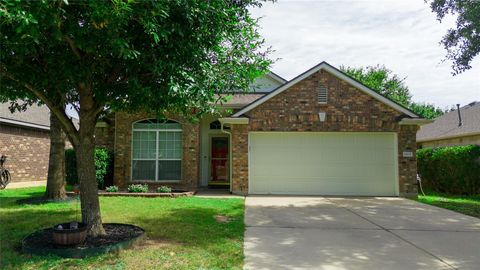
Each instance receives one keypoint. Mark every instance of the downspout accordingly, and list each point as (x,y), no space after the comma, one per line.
(231,121)
(230,164)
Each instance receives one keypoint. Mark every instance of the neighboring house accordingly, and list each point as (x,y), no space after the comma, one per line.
(24,139)
(322,133)
(452,128)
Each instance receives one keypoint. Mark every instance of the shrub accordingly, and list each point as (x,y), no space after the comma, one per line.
(138,188)
(103,162)
(164,189)
(111,189)
(451,170)
(71,167)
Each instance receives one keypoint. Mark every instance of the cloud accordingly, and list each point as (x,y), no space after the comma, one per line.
(403,35)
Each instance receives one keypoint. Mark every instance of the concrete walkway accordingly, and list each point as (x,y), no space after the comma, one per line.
(13,185)
(357,233)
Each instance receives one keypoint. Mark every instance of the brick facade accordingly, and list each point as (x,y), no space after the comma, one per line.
(27,152)
(123,149)
(348,110)
(105,133)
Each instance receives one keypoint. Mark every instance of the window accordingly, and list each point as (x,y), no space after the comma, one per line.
(322,93)
(156,150)
(216,125)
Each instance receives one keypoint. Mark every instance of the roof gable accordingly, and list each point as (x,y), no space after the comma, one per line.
(339,74)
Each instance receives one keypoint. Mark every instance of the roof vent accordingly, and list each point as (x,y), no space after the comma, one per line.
(322,93)
(459,115)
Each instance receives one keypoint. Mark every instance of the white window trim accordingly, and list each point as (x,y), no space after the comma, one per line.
(156,159)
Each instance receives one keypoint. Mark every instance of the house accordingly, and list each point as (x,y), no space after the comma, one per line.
(458,127)
(321,133)
(24,139)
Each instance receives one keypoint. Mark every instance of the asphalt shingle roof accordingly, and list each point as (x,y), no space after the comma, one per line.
(240,100)
(38,115)
(447,126)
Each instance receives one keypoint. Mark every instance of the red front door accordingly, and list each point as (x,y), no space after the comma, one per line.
(219,162)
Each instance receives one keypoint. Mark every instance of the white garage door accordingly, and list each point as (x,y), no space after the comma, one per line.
(310,163)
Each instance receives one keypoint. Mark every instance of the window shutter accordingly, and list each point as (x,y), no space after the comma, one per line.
(322,93)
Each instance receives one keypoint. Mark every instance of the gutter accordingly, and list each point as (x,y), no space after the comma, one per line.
(24,124)
(449,137)
(234,120)
(230,121)
(415,121)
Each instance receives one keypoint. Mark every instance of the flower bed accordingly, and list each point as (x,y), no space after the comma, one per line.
(173,194)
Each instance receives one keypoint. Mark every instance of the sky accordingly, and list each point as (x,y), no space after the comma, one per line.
(403,35)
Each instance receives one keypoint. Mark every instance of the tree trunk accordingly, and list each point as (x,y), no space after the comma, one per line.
(56,163)
(86,176)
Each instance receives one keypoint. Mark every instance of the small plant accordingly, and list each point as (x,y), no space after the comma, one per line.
(138,188)
(164,189)
(111,189)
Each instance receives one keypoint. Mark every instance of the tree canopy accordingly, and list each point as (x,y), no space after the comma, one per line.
(151,55)
(382,80)
(462,42)
(155,56)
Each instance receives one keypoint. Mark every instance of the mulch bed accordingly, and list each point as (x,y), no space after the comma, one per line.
(118,236)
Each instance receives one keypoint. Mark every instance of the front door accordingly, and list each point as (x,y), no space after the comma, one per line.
(219,172)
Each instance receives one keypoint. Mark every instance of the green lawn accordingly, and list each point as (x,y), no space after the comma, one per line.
(182,232)
(468,205)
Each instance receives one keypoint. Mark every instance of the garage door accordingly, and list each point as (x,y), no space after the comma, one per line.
(310,163)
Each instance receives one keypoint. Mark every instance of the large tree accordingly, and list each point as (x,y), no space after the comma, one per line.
(385,82)
(463,41)
(56,162)
(154,56)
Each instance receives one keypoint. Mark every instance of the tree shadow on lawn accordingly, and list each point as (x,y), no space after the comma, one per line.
(9,199)
(190,227)
(196,231)
(17,224)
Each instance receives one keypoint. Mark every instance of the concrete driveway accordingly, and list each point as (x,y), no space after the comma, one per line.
(357,233)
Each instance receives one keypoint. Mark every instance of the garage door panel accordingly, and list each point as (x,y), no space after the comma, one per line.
(334,186)
(322,163)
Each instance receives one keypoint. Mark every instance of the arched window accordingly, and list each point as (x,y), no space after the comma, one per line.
(216,125)
(157,150)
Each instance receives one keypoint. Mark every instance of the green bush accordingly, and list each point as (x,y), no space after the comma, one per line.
(138,188)
(111,189)
(164,189)
(103,161)
(71,167)
(451,170)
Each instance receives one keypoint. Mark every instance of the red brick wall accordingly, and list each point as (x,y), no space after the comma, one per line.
(240,158)
(123,159)
(27,152)
(348,110)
